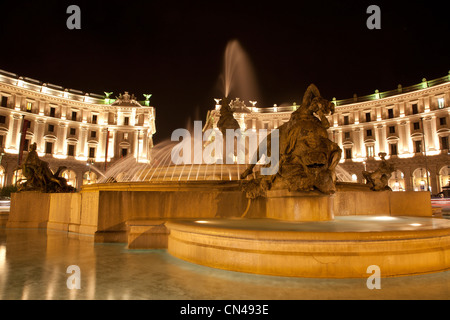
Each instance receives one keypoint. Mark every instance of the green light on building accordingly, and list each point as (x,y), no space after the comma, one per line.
(107,99)
(147,99)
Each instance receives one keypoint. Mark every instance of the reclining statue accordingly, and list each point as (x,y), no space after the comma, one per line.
(307,158)
(378,180)
(39,177)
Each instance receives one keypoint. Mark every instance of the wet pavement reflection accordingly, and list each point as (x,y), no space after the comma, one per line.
(33,265)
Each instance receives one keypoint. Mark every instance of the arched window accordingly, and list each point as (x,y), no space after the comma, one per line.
(444,177)
(397,181)
(71,177)
(89,177)
(420,180)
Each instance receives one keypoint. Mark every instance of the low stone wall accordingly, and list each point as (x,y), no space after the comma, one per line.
(408,203)
(29,210)
(120,203)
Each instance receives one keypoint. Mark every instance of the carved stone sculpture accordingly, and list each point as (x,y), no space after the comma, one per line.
(126,100)
(307,158)
(378,180)
(39,177)
(226,120)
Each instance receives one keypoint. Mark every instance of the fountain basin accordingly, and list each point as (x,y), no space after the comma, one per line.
(342,248)
(106,210)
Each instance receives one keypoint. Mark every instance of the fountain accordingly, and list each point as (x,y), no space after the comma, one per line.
(287,217)
(300,235)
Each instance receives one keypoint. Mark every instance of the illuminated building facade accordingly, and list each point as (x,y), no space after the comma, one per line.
(410,124)
(84,132)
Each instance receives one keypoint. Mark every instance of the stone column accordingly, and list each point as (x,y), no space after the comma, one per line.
(361,142)
(42,107)
(408,178)
(10,142)
(61,146)
(408,137)
(138,148)
(356,141)
(145,147)
(102,143)
(19,101)
(112,138)
(433,180)
(434,137)
(378,143)
(428,134)
(13,139)
(381,142)
(82,145)
(402,143)
(338,138)
(39,134)
(356,117)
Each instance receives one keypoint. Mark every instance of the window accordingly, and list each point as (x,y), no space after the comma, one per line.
(369,132)
(418,146)
(393,150)
(416,125)
(74,116)
(125,135)
(26,144)
(442,121)
(48,147)
(72,131)
(2,119)
(348,153)
(52,112)
(368,119)
(126,121)
(4,102)
(51,128)
(346,121)
(370,152)
(124,152)
(347,135)
(415,108)
(93,134)
(29,106)
(94,119)
(390,113)
(91,152)
(2,137)
(71,150)
(392,129)
(444,143)
(440,103)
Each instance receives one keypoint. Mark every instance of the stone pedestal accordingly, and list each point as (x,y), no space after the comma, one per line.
(299,206)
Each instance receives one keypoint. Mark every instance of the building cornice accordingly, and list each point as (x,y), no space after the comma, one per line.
(48,92)
(401,97)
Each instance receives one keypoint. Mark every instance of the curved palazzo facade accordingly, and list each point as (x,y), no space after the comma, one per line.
(84,132)
(410,124)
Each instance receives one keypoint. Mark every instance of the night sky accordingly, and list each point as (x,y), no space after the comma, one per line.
(175,50)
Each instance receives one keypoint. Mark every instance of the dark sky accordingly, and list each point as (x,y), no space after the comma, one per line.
(175,50)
